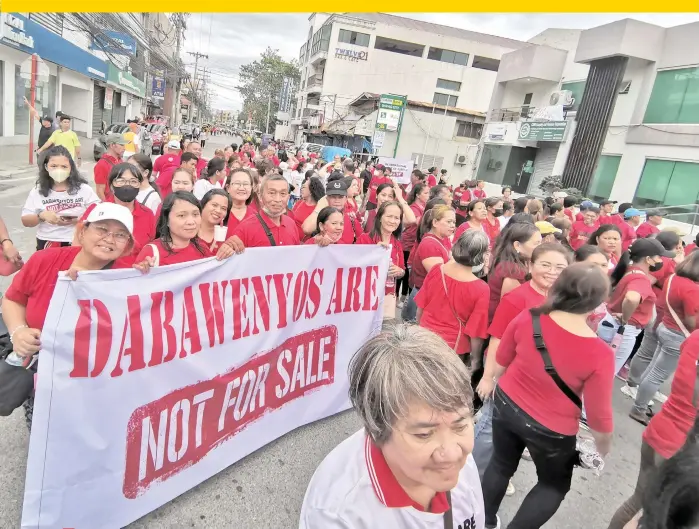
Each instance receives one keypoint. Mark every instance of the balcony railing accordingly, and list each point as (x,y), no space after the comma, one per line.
(512,114)
(315,80)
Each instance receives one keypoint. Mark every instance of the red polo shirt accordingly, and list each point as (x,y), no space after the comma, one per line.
(253,234)
(580,233)
(201,165)
(431,180)
(430,246)
(376,181)
(684,299)
(496,277)
(410,233)
(646,229)
(635,280)
(102,170)
(352,230)
(478,193)
(165,161)
(181,255)
(233,221)
(524,297)
(301,212)
(397,257)
(690,248)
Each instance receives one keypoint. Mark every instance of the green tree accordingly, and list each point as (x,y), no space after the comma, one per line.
(262,80)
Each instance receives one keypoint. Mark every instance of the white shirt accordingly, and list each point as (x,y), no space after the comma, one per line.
(503,221)
(62,204)
(153,201)
(353,485)
(201,187)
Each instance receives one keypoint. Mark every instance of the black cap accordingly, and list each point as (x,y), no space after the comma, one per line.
(337,188)
(605,202)
(47,118)
(648,248)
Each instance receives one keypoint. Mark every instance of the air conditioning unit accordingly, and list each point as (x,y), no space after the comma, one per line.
(461,159)
(562,97)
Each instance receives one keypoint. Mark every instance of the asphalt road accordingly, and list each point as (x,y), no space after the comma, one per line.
(265,490)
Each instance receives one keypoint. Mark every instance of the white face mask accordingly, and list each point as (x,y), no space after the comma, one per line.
(59,175)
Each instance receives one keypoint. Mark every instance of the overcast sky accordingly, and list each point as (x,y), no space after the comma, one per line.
(231,40)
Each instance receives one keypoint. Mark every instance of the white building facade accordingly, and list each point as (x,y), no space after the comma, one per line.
(446,74)
(628,127)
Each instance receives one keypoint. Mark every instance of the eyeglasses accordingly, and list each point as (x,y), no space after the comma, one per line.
(119,236)
(120,182)
(241,184)
(549,267)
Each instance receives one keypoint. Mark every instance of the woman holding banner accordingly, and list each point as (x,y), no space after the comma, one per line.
(106,234)
(331,224)
(410,465)
(215,210)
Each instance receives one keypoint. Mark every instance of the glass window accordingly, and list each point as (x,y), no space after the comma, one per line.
(577,87)
(486,63)
(452,57)
(44,101)
(448,85)
(399,46)
(353,37)
(603,179)
(444,99)
(668,183)
(468,129)
(675,97)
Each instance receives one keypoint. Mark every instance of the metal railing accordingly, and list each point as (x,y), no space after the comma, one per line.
(315,80)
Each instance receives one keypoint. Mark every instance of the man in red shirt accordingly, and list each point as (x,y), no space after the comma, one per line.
(336,197)
(581,230)
(268,154)
(382,175)
(195,148)
(653,219)
(113,156)
(169,159)
(632,218)
(188,161)
(606,207)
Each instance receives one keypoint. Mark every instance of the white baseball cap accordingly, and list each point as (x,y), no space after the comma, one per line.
(173,144)
(109,211)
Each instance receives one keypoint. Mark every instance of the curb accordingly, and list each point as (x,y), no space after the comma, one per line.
(9,174)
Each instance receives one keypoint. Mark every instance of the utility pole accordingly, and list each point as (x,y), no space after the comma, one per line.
(178,20)
(194,88)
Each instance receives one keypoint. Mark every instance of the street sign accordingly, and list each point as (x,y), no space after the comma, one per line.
(379,137)
(42,70)
(390,111)
(543,130)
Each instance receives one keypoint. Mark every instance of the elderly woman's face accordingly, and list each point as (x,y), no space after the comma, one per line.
(429,448)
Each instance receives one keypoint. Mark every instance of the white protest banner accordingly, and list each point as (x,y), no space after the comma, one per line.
(400,169)
(149,385)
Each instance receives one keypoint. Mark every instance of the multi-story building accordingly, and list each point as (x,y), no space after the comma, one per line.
(446,75)
(613,109)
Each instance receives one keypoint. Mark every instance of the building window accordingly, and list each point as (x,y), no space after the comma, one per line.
(468,129)
(448,85)
(445,100)
(452,57)
(578,88)
(485,63)
(399,46)
(354,37)
(668,183)
(675,97)
(44,102)
(321,39)
(603,179)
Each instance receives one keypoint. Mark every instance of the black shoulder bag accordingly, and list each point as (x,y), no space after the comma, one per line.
(267,231)
(448,516)
(548,365)
(16,382)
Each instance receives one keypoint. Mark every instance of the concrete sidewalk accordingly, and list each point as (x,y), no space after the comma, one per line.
(14,159)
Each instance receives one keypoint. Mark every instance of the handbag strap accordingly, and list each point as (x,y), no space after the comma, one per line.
(548,365)
(267,230)
(448,516)
(678,321)
(446,293)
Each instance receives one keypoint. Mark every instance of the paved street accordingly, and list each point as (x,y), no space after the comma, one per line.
(265,490)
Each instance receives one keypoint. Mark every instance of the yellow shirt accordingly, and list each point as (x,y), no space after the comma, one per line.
(130,137)
(68,139)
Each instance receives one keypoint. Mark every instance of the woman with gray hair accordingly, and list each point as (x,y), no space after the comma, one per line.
(453,302)
(410,465)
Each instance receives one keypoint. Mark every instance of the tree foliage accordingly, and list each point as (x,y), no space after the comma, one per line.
(261,79)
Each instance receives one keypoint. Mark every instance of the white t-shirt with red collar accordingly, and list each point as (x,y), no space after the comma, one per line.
(353,488)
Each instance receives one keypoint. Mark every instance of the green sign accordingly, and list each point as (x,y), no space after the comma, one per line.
(125,81)
(543,130)
(390,111)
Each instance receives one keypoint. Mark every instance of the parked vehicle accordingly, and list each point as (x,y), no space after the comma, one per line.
(158,133)
(100,146)
(308,148)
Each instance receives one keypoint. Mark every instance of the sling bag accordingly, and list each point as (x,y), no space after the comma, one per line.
(267,230)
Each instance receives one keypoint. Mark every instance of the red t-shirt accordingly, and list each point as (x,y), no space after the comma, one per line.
(431,180)
(579,217)
(467,299)
(371,216)
(253,235)
(646,229)
(409,235)
(478,193)
(164,180)
(301,212)
(102,170)
(430,246)
(667,431)
(397,257)
(460,196)
(233,221)
(143,231)
(524,297)
(689,248)
(661,275)
(34,284)
(464,228)
(635,280)
(569,213)
(201,165)
(684,299)
(182,255)
(352,229)
(580,233)
(492,231)
(376,181)
(628,235)
(165,161)
(502,271)
(589,372)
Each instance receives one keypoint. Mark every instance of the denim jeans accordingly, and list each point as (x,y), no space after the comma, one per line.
(607,333)
(663,365)
(553,454)
(483,445)
(644,355)
(409,312)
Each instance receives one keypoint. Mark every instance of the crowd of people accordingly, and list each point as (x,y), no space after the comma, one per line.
(518,309)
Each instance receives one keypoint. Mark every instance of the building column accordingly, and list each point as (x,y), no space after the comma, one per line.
(593,117)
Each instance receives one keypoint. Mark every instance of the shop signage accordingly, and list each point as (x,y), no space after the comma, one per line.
(125,81)
(108,98)
(115,43)
(351,55)
(26,35)
(379,138)
(158,87)
(390,111)
(543,130)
